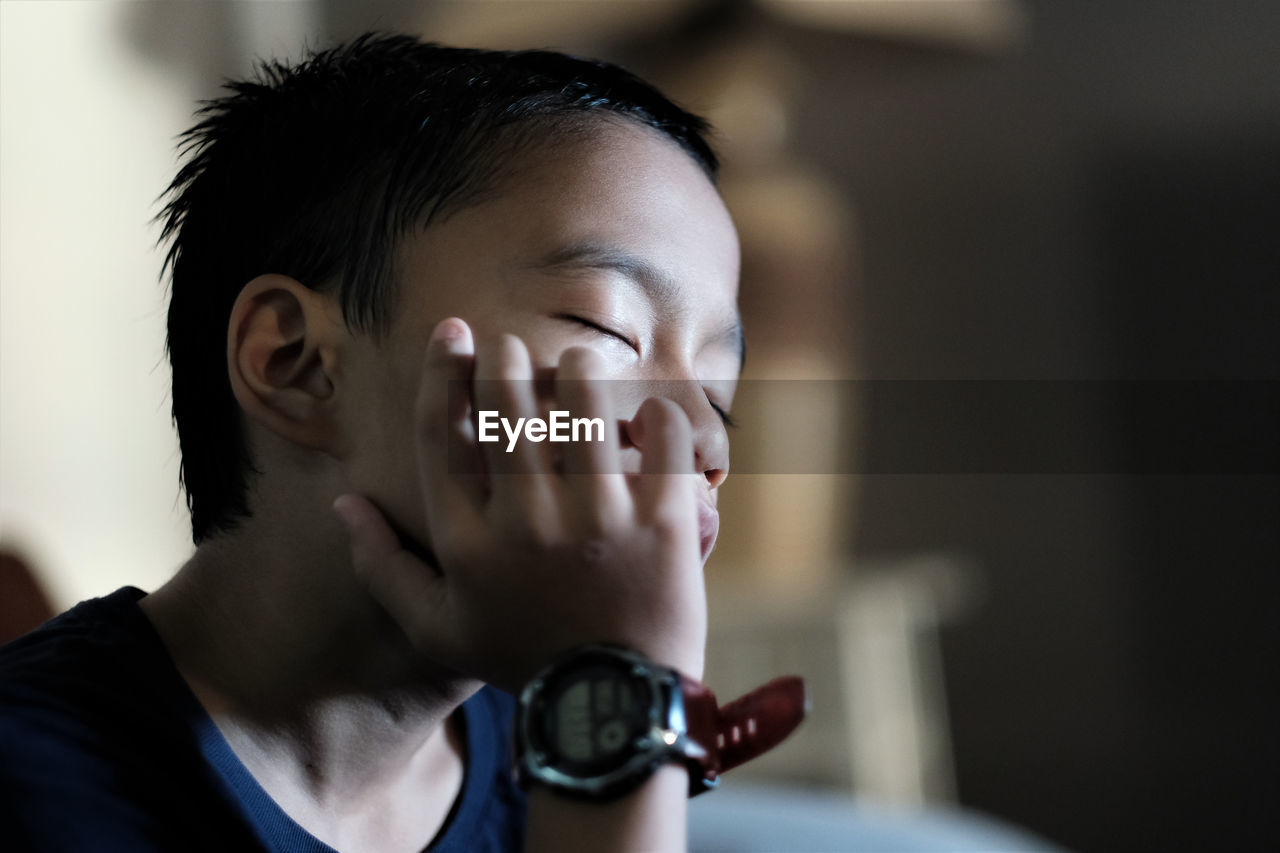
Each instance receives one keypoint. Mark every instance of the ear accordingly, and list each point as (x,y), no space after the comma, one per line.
(282,346)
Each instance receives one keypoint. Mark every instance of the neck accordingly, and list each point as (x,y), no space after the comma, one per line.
(319,695)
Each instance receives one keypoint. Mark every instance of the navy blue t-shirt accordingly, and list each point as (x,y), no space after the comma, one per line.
(103,747)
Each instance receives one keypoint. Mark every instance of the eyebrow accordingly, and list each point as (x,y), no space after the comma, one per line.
(653,281)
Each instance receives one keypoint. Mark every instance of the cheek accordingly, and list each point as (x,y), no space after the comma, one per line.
(381,446)
(379,459)
(385,470)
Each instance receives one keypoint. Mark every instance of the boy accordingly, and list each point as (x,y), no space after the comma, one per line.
(353,239)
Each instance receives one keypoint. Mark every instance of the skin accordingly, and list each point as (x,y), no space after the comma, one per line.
(331,657)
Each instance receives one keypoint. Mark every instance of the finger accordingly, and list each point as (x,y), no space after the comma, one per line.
(593,462)
(666,461)
(504,386)
(449,462)
(407,588)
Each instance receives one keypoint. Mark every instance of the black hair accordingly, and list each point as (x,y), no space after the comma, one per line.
(315,170)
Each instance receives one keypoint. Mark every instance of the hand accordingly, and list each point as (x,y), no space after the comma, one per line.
(537,557)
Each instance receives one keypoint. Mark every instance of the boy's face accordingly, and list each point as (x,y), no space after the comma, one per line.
(613,240)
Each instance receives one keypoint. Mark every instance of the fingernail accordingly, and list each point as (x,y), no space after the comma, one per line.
(342,507)
(449,330)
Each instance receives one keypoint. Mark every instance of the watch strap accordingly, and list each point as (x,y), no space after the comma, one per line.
(743,729)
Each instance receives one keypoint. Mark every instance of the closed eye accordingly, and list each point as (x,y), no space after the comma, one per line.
(728,421)
(604,330)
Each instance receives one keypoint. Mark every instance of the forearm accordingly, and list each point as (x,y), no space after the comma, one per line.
(650,819)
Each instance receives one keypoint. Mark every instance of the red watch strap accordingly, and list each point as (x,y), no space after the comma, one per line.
(746,727)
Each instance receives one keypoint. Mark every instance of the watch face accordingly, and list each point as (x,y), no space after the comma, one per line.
(591,720)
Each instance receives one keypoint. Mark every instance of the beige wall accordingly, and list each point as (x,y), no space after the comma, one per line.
(88,461)
(88,458)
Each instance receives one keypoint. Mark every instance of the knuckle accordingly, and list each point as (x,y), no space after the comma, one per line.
(597,551)
(537,531)
(598,523)
(668,525)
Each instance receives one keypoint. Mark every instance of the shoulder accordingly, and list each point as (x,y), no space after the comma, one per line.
(96,750)
(99,662)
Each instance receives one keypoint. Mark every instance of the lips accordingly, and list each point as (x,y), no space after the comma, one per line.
(708,527)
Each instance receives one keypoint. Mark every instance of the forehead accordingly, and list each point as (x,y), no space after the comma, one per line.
(614,187)
(637,177)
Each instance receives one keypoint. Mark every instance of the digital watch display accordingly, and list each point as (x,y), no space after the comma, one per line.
(600,721)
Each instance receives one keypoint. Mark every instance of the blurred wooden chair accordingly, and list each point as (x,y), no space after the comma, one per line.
(869,650)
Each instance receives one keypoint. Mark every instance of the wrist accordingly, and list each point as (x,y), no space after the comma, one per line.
(686,657)
(652,817)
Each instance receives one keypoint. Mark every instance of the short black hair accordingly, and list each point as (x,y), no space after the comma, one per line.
(315,170)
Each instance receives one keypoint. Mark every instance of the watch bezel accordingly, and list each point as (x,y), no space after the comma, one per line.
(667,739)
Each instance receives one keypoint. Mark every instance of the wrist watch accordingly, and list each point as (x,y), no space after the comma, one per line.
(602,719)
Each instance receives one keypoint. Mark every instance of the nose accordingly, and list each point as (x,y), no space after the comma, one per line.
(710,439)
(711,448)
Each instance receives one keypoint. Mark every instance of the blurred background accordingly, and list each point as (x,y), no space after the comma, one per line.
(962,190)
